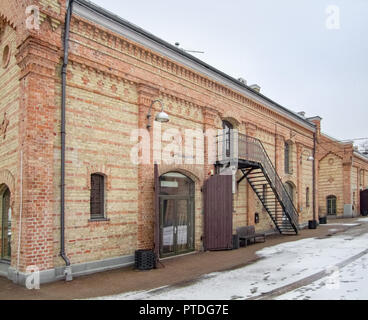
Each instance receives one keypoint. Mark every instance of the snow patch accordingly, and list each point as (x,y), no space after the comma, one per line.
(281,265)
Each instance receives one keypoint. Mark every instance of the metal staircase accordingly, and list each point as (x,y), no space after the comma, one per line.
(250,156)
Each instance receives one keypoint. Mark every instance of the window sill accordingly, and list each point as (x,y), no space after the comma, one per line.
(99,220)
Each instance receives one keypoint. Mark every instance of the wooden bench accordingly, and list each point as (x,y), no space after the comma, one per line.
(248,233)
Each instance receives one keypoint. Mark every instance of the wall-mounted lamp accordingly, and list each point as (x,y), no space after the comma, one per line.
(160,117)
(310,157)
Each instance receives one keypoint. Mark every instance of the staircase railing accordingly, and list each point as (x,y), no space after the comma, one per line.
(252,149)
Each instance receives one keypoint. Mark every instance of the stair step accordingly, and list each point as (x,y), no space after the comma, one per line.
(270,199)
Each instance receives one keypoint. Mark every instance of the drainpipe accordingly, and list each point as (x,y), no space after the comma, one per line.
(20,213)
(68,269)
(314,177)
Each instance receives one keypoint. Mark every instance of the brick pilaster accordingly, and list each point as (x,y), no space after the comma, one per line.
(38,62)
(146,212)
(251,131)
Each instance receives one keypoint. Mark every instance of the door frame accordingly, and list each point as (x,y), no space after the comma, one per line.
(191,232)
(4,213)
(328,199)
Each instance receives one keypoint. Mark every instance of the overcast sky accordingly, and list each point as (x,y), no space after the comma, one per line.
(303,57)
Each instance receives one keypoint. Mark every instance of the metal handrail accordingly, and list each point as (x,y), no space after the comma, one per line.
(252,149)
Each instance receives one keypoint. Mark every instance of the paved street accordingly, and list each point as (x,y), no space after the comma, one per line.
(286,267)
(331,267)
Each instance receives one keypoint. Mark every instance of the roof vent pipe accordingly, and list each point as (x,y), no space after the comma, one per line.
(243,81)
(255,87)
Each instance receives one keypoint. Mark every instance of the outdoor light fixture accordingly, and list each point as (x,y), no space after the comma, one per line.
(310,157)
(160,117)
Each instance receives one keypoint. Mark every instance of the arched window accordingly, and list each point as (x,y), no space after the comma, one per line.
(97,200)
(5,224)
(307,195)
(362,178)
(331,205)
(227,126)
(287,157)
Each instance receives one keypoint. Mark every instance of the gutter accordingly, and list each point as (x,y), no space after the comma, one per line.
(361,156)
(68,269)
(115,18)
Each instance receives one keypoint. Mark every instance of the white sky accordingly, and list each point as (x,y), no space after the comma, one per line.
(284,46)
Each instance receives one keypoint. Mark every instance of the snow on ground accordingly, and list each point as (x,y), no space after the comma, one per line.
(280,265)
(340,224)
(350,282)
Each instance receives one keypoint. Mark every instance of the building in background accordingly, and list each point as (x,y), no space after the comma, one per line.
(343,176)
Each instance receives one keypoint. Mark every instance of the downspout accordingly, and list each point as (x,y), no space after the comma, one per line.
(20,212)
(314,177)
(68,270)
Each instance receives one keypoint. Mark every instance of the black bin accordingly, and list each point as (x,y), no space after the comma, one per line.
(322,220)
(312,224)
(145,260)
(235,241)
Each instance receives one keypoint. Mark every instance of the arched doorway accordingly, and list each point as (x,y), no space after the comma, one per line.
(176,214)
(290,190)
(331,205)
(5,223)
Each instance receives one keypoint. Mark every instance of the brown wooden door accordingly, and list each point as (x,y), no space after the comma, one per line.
(364,202)
(218,212)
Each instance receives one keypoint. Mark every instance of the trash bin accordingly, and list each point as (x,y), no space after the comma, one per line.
(312,224)
(145,260)
(322,220)
(235,241)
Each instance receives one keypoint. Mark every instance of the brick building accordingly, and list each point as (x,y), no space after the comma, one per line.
(115,73)
(343,175)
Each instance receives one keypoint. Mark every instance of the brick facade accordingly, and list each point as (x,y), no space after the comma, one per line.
(111,83)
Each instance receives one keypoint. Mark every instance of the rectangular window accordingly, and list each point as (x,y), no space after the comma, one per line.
(287,158)
(97,196)
(307,198)
(331,205)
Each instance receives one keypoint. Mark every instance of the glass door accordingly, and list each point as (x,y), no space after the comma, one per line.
(167,226)
(183,226)
(6,217)
(177,226)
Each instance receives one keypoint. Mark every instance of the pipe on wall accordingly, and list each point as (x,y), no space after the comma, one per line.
(68,272)
(314,176)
